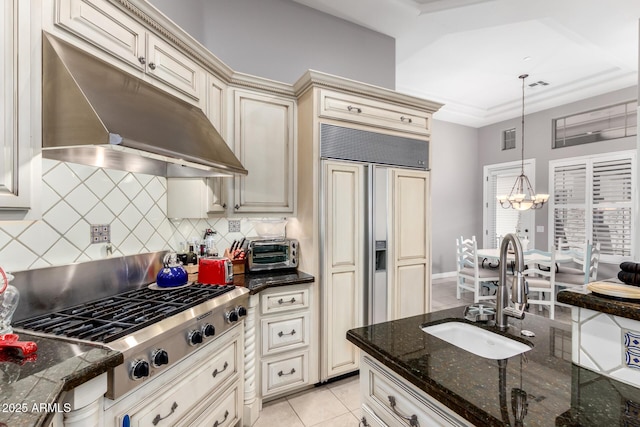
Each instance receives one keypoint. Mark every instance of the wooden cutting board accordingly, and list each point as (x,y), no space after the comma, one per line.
(615,290)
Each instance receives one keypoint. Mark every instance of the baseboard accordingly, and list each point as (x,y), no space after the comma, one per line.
(444,275)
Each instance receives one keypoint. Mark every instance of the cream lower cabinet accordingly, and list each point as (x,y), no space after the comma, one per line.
(19,103)
(264,142)
(388,400)
(205,389)
(409,290)
(343,249)
(288,346)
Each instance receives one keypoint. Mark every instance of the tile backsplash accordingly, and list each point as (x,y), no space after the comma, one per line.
(75,196)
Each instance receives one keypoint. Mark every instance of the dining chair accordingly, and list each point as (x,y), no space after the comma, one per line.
(540,277)
(587,259)
(471,277)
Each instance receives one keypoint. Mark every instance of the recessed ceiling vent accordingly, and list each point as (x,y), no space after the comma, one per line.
(539,83)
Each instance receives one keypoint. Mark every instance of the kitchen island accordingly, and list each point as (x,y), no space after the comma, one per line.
(473,390)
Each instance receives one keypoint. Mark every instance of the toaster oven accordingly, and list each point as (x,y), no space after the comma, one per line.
(272,254)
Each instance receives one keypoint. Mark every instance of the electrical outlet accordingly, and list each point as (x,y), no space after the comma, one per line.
(234,226)
(101,233)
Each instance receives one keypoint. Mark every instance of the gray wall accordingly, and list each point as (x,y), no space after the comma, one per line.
(538,135)
(281,39)
(454,167)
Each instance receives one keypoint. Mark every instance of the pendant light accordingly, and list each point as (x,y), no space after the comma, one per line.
(522,197)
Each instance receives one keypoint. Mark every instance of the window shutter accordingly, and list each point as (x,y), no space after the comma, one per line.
(612,198)
(593,200)
(569,198)
(504,220)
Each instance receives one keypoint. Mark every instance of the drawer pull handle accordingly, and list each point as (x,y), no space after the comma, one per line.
(356,109)
(291,301)
(293,371)
(158,418)
(217,423)
(292,333)
(413,419)
(408,119)
(224,368)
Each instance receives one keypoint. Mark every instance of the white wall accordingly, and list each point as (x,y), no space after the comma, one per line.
(281,39)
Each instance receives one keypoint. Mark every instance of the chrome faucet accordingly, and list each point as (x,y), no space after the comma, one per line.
(519,288)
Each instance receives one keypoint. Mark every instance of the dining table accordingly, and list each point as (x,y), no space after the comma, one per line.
(531,256)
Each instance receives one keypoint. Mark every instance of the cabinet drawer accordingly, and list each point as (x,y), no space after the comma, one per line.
(223,412)
(370,419)
(279,302)
(177,399)
(285,333)
(357,109)
(285,373)
(398,404)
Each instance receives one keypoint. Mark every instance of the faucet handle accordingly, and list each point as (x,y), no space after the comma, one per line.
(519,289)
(517,312)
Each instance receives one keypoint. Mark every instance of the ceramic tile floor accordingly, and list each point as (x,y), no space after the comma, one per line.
(337,404)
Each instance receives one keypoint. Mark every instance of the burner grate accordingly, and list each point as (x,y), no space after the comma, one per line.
(108,319)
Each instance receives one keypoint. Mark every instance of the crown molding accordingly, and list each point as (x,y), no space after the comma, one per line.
(312,78)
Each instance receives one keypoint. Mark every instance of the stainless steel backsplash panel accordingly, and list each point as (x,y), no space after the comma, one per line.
(43,290)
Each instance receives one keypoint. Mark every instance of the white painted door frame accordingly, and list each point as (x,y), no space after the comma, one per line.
(528,219)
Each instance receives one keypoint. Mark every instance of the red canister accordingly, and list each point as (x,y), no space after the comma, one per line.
(215,271)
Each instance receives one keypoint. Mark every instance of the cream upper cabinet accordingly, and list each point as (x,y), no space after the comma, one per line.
(264,142)
(409,290)
(103,25)
(20,103)
(343,273)
(358,109)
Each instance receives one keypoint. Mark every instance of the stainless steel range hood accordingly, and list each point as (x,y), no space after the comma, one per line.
(96,114)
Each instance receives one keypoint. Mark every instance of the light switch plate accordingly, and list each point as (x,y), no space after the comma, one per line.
(234,226)
(100,233)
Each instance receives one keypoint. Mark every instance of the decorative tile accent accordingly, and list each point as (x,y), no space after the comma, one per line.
(607,344)
(75,196)
(632,349)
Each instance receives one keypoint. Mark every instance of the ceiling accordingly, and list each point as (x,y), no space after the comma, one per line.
(468,54)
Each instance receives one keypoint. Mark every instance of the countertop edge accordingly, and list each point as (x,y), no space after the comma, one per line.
(617,307)
(59,378)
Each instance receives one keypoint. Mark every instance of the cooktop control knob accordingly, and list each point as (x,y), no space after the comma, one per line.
(232,316)
(159,357)
(139,369)
(241,311)
(208,330)
(195,337)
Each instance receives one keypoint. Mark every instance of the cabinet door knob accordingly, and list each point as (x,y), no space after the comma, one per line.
(224,206)
(236,206)
(142,60)
(152,65)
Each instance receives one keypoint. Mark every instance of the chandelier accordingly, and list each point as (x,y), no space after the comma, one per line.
(522,196)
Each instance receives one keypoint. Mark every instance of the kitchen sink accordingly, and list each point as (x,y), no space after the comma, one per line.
(478,341)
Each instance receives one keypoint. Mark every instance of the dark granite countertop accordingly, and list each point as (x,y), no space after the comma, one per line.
(257,282)
(610,305)
(558,392)
(56,367)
